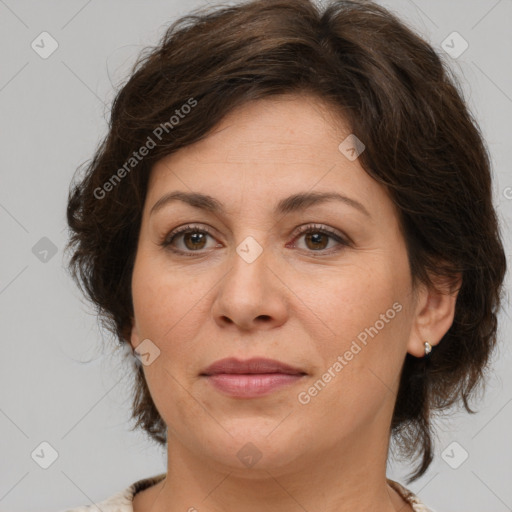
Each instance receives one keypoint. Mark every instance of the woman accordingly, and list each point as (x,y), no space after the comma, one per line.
(290,225)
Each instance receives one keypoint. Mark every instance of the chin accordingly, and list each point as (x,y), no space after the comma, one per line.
(255,447)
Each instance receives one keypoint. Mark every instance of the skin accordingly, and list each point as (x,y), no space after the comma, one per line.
(298,302)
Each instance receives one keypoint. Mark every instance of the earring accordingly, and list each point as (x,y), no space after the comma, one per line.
(428,348)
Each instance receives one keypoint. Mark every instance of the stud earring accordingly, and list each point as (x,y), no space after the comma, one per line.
(428,348)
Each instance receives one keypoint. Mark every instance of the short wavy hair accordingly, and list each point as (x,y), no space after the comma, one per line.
(396,94)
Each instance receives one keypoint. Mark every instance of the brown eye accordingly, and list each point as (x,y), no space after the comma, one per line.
(194,240)
(188,240)
(317,240)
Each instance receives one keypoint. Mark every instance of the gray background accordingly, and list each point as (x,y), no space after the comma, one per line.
(58,384)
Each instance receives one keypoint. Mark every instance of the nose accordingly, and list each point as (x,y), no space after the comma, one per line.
(251,295)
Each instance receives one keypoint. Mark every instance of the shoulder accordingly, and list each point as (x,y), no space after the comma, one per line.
(121,501)
(411,498)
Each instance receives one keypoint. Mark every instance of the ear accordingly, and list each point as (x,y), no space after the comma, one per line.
(434,313)
(134,335)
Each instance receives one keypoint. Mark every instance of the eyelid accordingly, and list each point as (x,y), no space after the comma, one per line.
(312,226)
(339,237)
(185,228)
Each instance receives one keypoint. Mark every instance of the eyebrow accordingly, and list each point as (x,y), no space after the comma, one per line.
(293,203)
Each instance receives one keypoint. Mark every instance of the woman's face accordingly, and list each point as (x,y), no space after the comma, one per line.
(335,302)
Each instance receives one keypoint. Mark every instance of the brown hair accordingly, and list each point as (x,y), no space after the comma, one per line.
(400,99)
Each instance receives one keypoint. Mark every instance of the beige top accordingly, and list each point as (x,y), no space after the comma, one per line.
(123,501)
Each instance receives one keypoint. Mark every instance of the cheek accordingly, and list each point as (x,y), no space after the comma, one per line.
(365,320)
(352,298)
(165,308)
(165,300)
(360,356)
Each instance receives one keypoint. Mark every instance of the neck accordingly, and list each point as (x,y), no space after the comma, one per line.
(351,477)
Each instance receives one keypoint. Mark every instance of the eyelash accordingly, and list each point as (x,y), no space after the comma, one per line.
(303,230)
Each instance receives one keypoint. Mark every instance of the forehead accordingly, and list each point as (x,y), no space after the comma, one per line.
(284,127)
(281,129)
(263,149)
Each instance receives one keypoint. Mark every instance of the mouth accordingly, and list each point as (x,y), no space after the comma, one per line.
(256,365)
(251,378)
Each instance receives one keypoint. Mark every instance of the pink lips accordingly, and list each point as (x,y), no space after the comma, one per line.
(251,378)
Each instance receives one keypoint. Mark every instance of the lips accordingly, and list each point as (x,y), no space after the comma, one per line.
(252,378)
(257,365)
